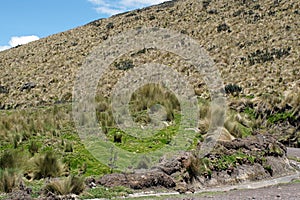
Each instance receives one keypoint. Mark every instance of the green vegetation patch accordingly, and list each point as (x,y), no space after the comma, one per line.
(108,193)
(280,117)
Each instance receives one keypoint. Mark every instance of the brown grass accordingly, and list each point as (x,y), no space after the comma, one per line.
(48,165)
(9,179)
(69,185)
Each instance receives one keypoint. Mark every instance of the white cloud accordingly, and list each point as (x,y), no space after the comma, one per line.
(2,48)
(108,11)
(135,3)
(15,41)
(113,7)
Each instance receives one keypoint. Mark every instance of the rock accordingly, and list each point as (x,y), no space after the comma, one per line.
(224,136)
(277,165)
(258,142)
(148,179)
(223,27)
(91,182)
(28,86)
(110,25)
(3,90)
(174,164)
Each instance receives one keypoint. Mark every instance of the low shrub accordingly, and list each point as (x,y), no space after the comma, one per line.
(233,89)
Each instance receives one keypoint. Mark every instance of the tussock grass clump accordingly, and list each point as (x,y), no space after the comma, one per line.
(9,180)
(69,147)
(233,89)
(47,166)
(104,112)
(33,148)
(238,126)
(69,185)
(9,159)
(147,97)
(197,167)
(151,98)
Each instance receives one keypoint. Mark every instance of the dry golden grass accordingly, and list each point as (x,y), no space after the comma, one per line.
(69,185)
(143,102)
(20,125)
(243,54)
(48,165)
(9,179)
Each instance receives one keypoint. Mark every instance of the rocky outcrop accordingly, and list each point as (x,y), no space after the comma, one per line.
(231,162)
(140,180)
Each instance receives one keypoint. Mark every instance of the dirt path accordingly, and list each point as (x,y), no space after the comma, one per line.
(293,152)
(283,191)
(280,188)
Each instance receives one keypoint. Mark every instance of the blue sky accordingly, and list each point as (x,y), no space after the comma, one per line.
(23,21)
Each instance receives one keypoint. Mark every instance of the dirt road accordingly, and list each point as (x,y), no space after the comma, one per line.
(285,191)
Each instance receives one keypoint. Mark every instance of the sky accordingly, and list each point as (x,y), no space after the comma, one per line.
(23,21)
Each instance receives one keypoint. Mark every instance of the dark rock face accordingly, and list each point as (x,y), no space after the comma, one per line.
(223,27)
(149,179)
(28,86)
(110,25)
(3,90)
(254,158)
(257,143)
(232,88)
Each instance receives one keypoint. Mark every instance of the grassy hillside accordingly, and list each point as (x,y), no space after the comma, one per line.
(255,44)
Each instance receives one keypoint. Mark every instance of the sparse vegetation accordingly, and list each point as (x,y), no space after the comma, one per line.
(103,192)
(261,56)
(280,117)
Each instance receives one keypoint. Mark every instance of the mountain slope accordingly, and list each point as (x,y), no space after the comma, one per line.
(255,44)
